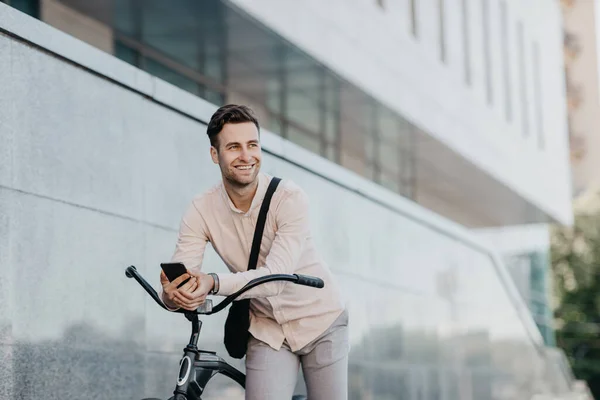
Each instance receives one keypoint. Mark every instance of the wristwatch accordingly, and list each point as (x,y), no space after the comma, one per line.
(215,288)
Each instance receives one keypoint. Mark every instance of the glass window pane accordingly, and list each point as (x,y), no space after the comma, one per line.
(389,157)
(302,72)
(273,94)
(125,53)
(356,140)
(213,97)
(29,7)
(170,76)
(357,164)
(125,17)
(330,152)
(406,133)
(331,124)
(303,111)
(390,181)
(304,139)
(274,125)
(213,65)
(166,35)
(355,106)
(331,95)
(407,163)
(388,126)
(407,189)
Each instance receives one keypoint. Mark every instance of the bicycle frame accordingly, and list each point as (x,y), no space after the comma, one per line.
(197,367)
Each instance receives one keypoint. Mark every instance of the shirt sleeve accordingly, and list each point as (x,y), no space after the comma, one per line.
(293,231)
(191,240)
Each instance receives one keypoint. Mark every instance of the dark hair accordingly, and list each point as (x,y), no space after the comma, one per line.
(229,114)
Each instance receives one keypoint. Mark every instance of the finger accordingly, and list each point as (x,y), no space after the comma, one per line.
(197,302)
(190,286)
(193,306)
(188,295)
(198,289)
(173,298)
(183,300)
(180,279)
(163,279)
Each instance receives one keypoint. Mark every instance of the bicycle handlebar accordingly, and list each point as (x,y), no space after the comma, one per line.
(207,308)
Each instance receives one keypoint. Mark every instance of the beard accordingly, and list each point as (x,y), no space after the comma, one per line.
(238,180)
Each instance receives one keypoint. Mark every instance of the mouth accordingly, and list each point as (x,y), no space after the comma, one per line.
(244,167)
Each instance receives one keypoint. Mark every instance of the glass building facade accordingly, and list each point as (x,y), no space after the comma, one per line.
(222,55)
(531,273)
(217,52)
(29,7)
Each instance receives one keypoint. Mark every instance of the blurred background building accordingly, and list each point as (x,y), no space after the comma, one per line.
(583,98)
(449,119)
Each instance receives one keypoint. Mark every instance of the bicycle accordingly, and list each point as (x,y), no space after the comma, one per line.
(197,367)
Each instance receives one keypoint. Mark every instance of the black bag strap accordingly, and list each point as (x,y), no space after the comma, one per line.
(260,223)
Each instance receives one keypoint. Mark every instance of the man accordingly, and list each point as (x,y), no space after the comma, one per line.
(290,325)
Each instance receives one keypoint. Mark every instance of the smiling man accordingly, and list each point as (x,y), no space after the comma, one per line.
(290,325)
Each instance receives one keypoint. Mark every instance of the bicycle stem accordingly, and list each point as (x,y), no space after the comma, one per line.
(196,327)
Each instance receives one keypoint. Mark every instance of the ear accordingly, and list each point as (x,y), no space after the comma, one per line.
(214,154)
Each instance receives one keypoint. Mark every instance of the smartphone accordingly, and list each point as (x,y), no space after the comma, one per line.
(174,271)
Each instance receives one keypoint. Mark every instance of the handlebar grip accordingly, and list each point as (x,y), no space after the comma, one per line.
(310,281)
(129,271)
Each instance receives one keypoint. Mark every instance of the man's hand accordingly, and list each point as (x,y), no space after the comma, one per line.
(198,296)
(174,297)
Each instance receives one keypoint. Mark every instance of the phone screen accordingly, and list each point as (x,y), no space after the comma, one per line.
(173,271)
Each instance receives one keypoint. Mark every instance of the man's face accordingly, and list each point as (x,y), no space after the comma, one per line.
(238,153)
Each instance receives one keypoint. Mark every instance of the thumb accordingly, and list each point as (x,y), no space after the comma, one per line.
(163,278)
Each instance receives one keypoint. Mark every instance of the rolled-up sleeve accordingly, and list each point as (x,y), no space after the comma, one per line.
(292,218)
(191,240)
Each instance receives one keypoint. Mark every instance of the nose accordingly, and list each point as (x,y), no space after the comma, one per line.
(245,155)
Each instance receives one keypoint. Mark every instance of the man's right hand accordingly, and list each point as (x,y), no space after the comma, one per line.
(174,297)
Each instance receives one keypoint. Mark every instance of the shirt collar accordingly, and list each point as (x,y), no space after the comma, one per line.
(263,182)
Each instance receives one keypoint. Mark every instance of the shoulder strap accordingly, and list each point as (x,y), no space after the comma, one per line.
(260,223)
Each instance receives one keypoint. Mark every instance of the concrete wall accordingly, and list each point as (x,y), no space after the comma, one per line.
(98,161)
(407,74)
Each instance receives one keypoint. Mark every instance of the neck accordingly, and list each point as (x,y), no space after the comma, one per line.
(241,196)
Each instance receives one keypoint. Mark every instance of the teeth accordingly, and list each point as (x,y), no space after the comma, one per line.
(245,167)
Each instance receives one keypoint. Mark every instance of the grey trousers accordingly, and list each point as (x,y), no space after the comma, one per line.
(272,374)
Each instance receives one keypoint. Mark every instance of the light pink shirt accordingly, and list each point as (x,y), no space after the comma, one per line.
(278,310)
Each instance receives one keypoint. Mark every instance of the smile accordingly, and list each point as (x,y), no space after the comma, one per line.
(244,167)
